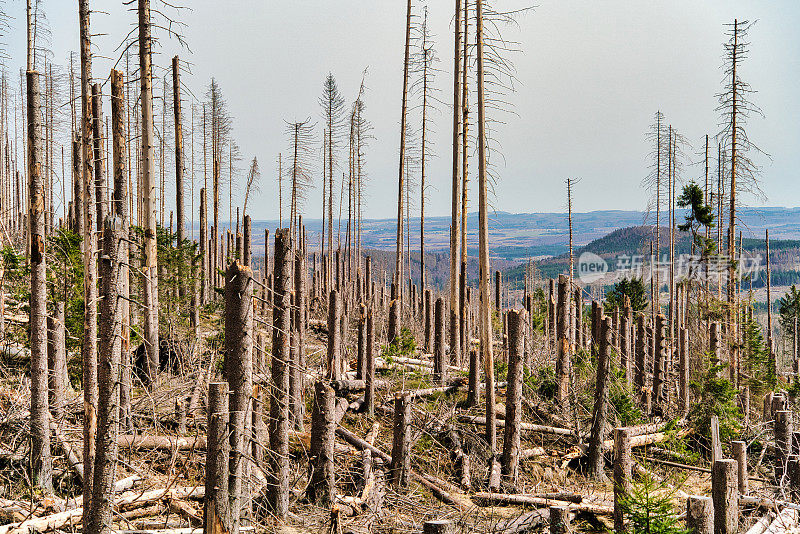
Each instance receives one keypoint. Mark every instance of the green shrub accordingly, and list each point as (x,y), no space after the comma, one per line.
(648,508)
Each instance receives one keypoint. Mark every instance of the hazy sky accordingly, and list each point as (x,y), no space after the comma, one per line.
(591,76)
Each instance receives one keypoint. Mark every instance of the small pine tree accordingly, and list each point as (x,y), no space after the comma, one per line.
(717,397)
(633,288)
(648,508)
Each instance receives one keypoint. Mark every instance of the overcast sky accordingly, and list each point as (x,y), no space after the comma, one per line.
(591,76)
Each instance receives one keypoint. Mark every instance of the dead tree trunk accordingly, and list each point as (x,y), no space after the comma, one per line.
(596,461)
(238,370)
(278,465)
(148,194)
(402,170)
(699,514)
(297,403)
(516,358)
(740,455)
(401,443)
(428,318)
(108,374)
(216,514)
(659,360)
(393,330)
(334,336)
(439,362)
(683,372)
(119,208)
(562,326)
(725,496)
(176,107)
(783,443)
(483,241)
(322,484)
(100,179)
(41,462)
(639,372)
(58,379)
(623,467)
(369,372)
(89,342)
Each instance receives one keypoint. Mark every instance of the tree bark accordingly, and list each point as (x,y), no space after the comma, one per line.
(216,514)
(401,443)
(100,519)
(516,357)
(150,270)
(58,379)
(41,462)
(278,466)
(483,243)
(322,485)
(439,362)
(334,336)
(238,370)
(725,496)
(119,209)
(89,343)
(622,476)
(596,461)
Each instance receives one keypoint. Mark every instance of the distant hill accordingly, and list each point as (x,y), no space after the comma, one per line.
(516,236)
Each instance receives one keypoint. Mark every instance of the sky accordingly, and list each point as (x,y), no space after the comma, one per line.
(590,77)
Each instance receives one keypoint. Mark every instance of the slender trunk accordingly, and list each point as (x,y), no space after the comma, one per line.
(89,345)
(483,245)
(401,171)
(456,304)
(176,106)
(41,462)
(238,370)
(100,519)
(119,209)
(150,274)
(278,468)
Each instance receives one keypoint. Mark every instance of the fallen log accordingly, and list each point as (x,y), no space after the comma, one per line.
(129,441)
(523,426)
(530,500)
(360,444)
(523,523)
(72,517)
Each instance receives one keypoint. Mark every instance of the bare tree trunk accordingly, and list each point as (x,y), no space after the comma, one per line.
(100,180)
(402,170)
(108,379)
(176,107)
(483,246)
(297,403)
(516,357)
(439,361)
(455,211)
(57,360)
(401,443)
(334,336)
(119,209)
(278,467)
(369,378)
(562,327)
(204,252)
(623,467)
(322,485)
(596,460)
(216,513)
(41,462)
(89,344)
(150,275)
(238,371)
